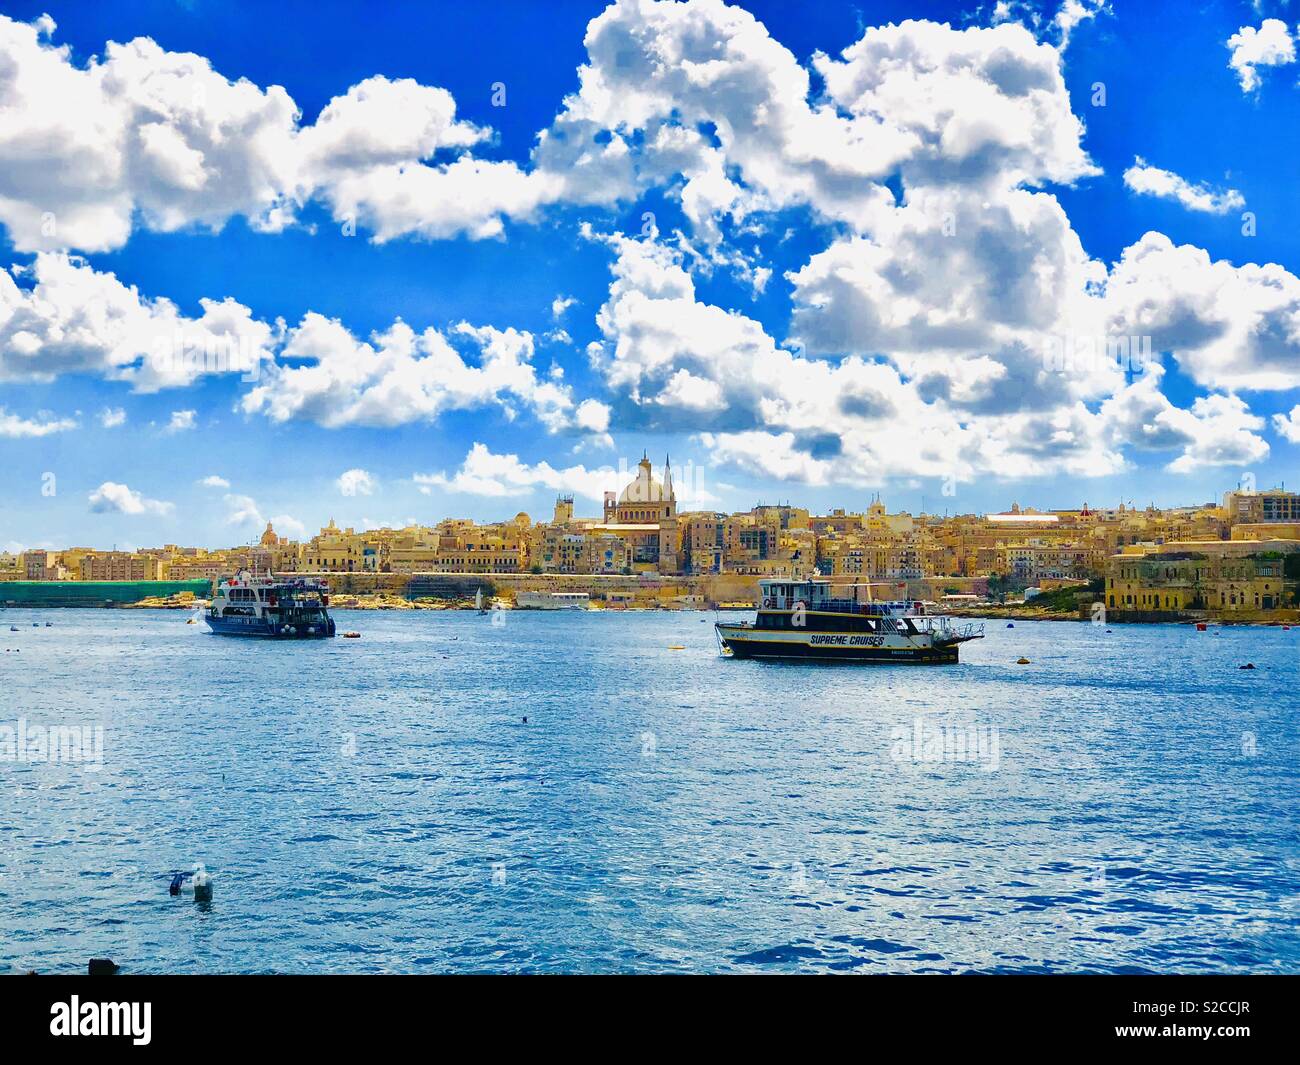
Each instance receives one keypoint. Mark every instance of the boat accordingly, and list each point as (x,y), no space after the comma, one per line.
(814,619)
(276,607)
(552,601)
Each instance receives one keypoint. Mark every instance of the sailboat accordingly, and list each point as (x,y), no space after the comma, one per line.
(478,601)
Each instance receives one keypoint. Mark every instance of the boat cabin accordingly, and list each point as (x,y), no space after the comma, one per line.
(824,594)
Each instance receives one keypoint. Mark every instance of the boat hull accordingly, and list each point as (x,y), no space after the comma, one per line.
(545,601)
(744,642)
(258,628)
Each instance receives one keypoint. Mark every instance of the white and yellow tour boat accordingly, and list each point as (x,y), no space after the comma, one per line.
(814,619)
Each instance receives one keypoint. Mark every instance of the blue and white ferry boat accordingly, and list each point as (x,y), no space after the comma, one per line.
(811,619)
(284,608)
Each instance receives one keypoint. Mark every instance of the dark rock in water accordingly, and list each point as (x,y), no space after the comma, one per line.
(102,967)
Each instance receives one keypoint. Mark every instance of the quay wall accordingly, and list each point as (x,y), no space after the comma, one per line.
(712,589)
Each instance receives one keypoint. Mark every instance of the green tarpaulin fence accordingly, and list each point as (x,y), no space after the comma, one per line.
(93,593)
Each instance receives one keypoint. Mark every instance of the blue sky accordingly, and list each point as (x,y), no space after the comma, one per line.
(801,324)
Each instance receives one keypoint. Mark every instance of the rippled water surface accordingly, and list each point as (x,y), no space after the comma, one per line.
(1128,801)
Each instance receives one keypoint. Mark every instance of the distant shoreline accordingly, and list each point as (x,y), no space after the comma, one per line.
(991,612)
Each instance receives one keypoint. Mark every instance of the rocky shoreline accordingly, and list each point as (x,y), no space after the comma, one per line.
(1011,613)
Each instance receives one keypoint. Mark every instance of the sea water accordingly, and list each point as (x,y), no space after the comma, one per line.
(1129,801)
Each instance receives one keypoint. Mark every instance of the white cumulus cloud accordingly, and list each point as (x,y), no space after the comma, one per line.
(484,473)
(181,421)
(143,133)
(1288,425)
(111,497)
(1269,46)
(1148,180)
(355,482)
(12,426)
(70,318)
(402,376)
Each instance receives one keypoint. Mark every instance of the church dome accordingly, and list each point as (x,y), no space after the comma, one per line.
(646,488)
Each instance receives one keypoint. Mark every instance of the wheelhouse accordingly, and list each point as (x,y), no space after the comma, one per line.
(823,606)
(825,595)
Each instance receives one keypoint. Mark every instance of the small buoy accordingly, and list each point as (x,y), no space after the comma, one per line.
(1200,626)
(102,967)
(352,635)
(677,647)
(1011,624)
(1286,628)
(525,719)
(1248,665)
(198,881)
(1022,661)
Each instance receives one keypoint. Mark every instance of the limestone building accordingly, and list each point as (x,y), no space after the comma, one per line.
(644,516)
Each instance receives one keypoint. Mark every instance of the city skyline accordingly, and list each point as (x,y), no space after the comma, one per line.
(586,508)
(1238,557)
(644,483)
(439,269)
